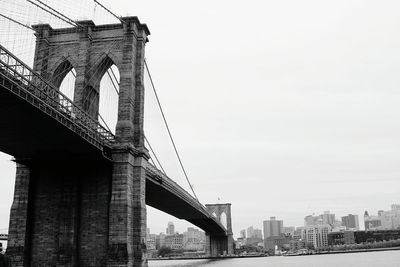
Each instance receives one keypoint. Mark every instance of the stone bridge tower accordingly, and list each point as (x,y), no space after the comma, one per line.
(75,210)
(220,245)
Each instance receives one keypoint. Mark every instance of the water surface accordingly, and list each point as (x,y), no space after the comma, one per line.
(378,259)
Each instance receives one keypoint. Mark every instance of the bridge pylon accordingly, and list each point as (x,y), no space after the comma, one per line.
(220,245)
(76,209)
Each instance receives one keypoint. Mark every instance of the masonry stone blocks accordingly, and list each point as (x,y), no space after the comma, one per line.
(220,245)
(71,211)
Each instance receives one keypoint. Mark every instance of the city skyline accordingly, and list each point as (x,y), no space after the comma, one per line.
(298,116)
(359,223)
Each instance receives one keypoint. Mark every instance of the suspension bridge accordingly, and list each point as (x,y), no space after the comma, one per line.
(81,188)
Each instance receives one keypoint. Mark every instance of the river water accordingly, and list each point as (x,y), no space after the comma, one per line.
(378,259)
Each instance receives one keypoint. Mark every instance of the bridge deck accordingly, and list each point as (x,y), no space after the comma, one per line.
(26,97)
(166,195)
(43,135)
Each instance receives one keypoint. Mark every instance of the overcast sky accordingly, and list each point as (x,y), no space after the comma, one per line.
(282,108)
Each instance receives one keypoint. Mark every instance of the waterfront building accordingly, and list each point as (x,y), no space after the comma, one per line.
(275,242)
(151,241)
(170,228)
(296,245)
(376,236)
(317,235)
(358,237)
(194,239)
(273,234)
(299,233)
(272,227)
(341,238)
(160,240)
(174,241)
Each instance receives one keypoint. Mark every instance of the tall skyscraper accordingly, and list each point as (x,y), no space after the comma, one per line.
(170,228)
(351,222)
(272,227)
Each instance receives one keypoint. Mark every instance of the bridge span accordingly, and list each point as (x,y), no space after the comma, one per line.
(81,192)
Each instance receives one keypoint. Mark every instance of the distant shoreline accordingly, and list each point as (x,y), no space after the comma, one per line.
(210,258)
(346,251)
(292,255)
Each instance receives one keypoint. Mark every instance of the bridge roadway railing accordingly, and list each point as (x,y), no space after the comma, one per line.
(33,88)
(172,186)
(3,237)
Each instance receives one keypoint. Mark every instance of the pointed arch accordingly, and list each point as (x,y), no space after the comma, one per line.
(223,219)
(63,68)
(108,88)
(63,78)
(100,67)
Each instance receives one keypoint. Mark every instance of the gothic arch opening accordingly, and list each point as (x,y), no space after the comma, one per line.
(223,219)
(63,78)
(108,95)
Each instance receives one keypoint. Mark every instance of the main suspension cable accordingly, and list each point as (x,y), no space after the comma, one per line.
(59,13)
(169,132)
(51,13)
(17,22)
(109,11)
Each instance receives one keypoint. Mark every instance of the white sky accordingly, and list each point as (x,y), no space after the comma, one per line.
(282,108)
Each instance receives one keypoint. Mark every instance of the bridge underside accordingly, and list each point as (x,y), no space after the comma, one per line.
(160,197)
(27,132)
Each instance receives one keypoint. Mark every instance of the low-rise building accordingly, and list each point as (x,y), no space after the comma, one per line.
(174,241)
(275,242)
(297,244)
(194,239)
(151,242)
